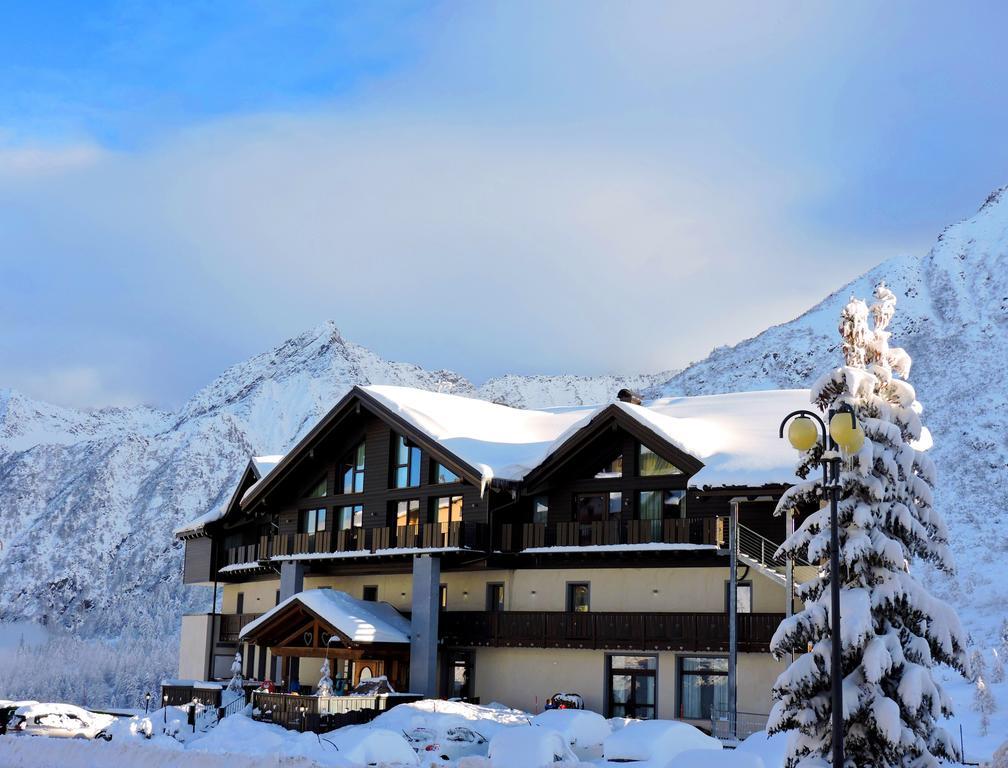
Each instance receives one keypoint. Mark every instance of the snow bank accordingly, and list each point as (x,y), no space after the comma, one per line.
(647,739)
(528,747)
(772,749)
(705,758)
(439,716)
(581,727)
(368,745)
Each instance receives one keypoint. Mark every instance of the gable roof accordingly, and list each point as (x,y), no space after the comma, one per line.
(728,440)
(358,621)
(257,468)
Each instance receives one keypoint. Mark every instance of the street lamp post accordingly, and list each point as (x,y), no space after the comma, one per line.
(844,433)
(147,703)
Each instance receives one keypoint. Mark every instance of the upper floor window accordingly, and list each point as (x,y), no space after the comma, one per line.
(311,521)
(578,597)
(448,509)
(660,505)
(350,517)
(318,489)
(405,464)
(444,475)
(352,470)
(540,509)
(651,464)
(408,512)
(613,469)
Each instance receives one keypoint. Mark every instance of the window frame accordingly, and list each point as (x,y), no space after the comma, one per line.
(419,511)
(436,508)
(355,510)
(746,583)
(323,481)
(641,448)
(495,606)
(314,515)
(680,673)
(355,469)
(436,476)
(365,591)
(413,470)
(569,595)
(609,669)
(542,500)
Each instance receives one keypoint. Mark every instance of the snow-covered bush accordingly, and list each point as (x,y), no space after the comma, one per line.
(984,704)
(893,631)
(236,682)
(325,683)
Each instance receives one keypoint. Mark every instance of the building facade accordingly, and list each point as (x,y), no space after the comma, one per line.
(531,552)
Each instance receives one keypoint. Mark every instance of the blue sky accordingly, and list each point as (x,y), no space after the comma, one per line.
(488,187)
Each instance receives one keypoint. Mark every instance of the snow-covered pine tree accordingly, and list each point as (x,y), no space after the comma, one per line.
(978,666)
(236,674)
(984,704)
(997,674)
(893,631)
(325,683)
(1000,757)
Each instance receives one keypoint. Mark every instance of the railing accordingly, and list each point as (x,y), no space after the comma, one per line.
(235,704)
(735,726)
(762,550)
(230,624)
(323,713)
(607,630)
(688,530)
(461,535)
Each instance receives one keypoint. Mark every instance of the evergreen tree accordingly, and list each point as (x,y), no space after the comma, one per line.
(997,669)
(236,674)
(893,631)
(978,667)
(1000,757)
(325,683)
(983,703)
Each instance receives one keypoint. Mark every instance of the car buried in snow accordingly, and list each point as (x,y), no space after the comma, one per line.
(62,721)
(449,744)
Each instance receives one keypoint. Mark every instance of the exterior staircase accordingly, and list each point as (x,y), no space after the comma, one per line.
(759,552)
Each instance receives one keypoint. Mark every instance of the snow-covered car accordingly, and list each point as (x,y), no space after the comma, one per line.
(7,710)
(367,745)
(449,744)
(525,746)
(60,721)
(650,739)
(584,730)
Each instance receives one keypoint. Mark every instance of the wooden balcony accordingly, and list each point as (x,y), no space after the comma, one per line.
(695,530)
(459,535)
(230,624)
(694,632)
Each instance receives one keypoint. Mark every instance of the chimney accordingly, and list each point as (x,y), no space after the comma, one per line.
(627,396)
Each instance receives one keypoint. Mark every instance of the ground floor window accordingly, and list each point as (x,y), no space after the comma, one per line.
(703,685)
(631,683)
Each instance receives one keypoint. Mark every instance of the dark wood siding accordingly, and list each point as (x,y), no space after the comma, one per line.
(198,566)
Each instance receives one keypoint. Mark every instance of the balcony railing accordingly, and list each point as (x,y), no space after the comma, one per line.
(230,624)
(458,535)
(695,530)
(606,630)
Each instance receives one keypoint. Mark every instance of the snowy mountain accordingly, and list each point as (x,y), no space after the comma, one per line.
(142,472)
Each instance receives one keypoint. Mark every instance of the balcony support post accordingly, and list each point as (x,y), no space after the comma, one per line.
(423,677)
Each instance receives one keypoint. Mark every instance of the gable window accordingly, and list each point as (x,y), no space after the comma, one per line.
(318,489)
(408,512)
(661,505)
(578,597)
(650,464)
(350,517)
(611,470)
(444,475)
(311,521)
(540,510)
(352,470)
(448,509)
(405,464)
(495,598)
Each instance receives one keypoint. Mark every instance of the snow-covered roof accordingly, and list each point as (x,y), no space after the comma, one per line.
(734,435)
(361,620)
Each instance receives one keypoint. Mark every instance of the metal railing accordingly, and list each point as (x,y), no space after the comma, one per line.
(761,549)
(735,726)
(516,537)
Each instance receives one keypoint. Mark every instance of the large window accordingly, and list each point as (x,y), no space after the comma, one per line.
(540,509)
(405,464)
(352,470)
(611,470)
(311,521)
(444,475)
(408,512)
(350,517)
(660,505)
(578,597)
(632,686)
(650,464)
(448,509)
(743,596)
(703,685)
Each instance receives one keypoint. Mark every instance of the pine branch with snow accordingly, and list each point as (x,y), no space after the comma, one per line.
(236,674)
(893,631)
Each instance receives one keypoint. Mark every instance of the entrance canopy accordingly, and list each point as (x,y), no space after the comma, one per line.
(318,622)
